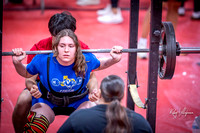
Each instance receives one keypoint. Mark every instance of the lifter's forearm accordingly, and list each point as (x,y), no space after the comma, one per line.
(106,62)
(21,69)
(115,56)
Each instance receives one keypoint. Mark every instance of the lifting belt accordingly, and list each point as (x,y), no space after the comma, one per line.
(61,101)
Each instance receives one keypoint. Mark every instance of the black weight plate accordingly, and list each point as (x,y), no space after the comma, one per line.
(167,60)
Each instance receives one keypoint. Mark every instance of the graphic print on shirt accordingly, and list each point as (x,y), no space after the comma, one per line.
(67,84)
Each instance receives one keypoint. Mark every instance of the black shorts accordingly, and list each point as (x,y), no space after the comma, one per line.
(63,110)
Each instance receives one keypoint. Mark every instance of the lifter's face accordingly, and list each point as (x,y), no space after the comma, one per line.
(66,51)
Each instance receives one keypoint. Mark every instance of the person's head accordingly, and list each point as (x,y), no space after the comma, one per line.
(61,21)
(112,92)
(112,88)
(67,50)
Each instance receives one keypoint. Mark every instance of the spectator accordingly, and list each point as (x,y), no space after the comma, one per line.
(109,116)
(87,2)
(111,14)
(172,16)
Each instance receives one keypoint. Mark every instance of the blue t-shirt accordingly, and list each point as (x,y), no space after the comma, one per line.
(61,78)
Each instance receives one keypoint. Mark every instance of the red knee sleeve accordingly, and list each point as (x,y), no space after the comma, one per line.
(36,124)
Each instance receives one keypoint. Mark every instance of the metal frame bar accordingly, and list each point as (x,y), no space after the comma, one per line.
(156,17)
(1,31)
(155,30)
(132,57)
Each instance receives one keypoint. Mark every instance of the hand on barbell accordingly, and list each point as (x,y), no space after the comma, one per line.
(116,53)
(19,55)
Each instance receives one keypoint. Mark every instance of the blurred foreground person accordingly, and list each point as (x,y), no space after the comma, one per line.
(109,116)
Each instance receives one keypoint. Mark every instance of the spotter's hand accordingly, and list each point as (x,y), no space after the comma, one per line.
(94,95)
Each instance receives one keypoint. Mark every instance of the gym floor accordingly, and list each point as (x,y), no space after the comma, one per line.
(178,99)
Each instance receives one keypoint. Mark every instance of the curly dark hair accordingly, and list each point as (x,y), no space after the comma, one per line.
(61,21)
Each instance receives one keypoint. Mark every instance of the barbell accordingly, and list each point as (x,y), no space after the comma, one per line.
(131,50)
(168,50)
